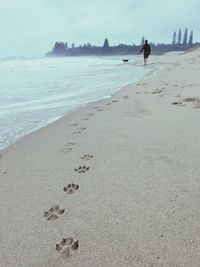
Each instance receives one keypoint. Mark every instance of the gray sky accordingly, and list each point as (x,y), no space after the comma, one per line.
(31,27)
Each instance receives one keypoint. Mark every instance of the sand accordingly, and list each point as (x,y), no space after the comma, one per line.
(114,184)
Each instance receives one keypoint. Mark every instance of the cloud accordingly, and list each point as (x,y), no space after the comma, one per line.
(32,27)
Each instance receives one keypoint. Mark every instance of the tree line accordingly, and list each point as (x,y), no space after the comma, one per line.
(179,42)
(182,40)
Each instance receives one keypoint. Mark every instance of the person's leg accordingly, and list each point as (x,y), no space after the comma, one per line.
(145,60)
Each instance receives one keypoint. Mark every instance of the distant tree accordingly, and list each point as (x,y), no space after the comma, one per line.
(190,42)
(66,45)
(59,48)
(106,43)
(179,37)
(73,45)
(174,39)
(142,41)
(185,37)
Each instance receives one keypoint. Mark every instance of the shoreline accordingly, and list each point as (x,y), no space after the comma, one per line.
(80,108)
(113,184)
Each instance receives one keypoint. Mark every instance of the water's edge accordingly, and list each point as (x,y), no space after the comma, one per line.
(152,72)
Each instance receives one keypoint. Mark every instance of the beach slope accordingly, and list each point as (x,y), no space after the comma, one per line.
(113,184)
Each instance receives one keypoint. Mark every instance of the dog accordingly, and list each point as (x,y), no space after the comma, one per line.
(125,60)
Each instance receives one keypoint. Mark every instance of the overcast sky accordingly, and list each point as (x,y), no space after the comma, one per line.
(31,27)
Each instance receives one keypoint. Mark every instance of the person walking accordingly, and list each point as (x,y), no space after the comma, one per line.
(146,49)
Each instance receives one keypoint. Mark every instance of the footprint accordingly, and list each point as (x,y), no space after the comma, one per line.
(96,107)
(101,109)
(87,157)
(114,101)
(82,169)
(108,104)
(67,246)
(67,147)
(194,100)
(156,91)
(190,99)
(175,85)
(74,124)
(90,114)
(126,97)
(79,131)
(53,213)
(85,119)
(71,188)
(71,144)
(178,103)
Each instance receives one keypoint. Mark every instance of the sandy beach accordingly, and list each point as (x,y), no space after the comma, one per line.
(114,184)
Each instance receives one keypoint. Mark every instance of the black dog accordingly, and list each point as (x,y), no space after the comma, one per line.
(125,60)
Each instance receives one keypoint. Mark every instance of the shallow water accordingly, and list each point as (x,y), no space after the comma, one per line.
(36,92)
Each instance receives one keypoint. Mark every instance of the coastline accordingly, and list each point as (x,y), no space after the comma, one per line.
(16,126)
(137,204)
(80,108)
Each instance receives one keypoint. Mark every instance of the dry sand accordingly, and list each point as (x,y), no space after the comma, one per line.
(138,203)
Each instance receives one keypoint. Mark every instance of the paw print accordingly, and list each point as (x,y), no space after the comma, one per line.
(66,246)
(82,169)
(71,188)
(79,131)
(87,157)
(178,103)
(68,147)
(53,213)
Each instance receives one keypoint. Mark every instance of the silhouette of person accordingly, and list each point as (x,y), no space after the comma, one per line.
(146,49)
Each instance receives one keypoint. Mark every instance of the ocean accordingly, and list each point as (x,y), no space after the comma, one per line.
(37,91)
